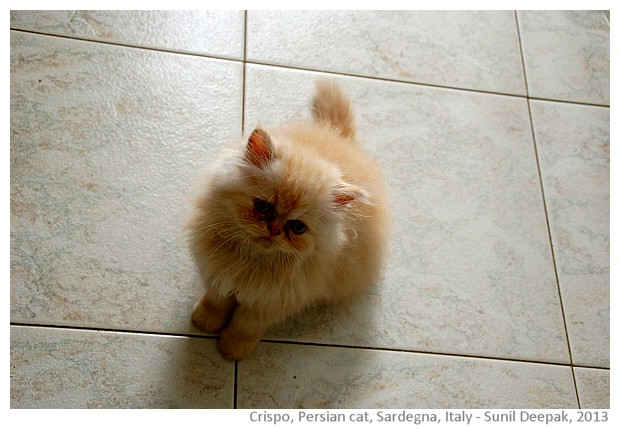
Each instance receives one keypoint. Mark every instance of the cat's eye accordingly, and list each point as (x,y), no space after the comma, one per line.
(263,207)
(297,227)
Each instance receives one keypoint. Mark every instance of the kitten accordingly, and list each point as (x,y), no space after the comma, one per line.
(293,216)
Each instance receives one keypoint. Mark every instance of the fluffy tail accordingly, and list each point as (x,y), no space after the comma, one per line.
(331,106)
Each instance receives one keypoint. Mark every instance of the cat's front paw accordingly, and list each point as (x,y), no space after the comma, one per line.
(209,318)
(236,347)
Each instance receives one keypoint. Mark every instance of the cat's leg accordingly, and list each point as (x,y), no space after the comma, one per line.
(245,330)
(212,313)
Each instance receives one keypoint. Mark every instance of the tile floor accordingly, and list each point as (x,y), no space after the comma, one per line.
(492,128)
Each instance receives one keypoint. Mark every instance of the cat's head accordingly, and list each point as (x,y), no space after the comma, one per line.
(288,199)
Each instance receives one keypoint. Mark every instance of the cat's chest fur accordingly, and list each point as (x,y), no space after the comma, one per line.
(273,278)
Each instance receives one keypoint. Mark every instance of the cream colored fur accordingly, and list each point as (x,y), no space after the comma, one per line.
(255,269)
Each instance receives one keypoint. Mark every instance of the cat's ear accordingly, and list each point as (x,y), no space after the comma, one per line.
(345,193)
(259,150)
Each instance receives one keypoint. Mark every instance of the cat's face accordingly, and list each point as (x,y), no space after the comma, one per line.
(289,201)
(276,219)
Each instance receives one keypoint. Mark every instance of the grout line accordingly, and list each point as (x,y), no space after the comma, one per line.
(422,84)
(422,352)
(303,343)
(577,103)
(245,62)
(383,79)
(544,201)
(522,55)
(552,248)
(116,330)
(129,45)
(243,98)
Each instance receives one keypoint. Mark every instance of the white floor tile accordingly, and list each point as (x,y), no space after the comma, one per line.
(566,55)
(465,49)
(573,145)
(218,33)
(105,142)
(593,386)
(296,376)
(66,368)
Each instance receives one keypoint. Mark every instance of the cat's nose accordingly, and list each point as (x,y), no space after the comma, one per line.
(274,229)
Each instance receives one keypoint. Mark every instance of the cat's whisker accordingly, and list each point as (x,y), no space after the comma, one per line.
(321,215)
(230,239)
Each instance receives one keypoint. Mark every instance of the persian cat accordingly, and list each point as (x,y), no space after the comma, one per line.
(291,216)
